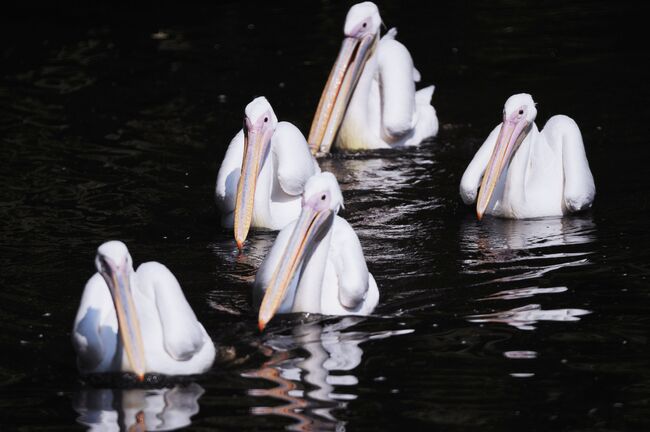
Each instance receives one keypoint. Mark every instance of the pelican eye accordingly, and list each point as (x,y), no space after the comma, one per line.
(364,25)
(266,119)
(521,112)
(323,197)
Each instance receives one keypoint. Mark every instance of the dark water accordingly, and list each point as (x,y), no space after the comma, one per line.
(113,122)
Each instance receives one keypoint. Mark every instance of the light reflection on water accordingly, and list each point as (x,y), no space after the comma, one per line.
(166,409)
(520,293)
(313,372)
(504,241)
(510,252)
(525,317)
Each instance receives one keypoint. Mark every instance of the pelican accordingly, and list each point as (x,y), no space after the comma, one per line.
(369,98)
(316,264)
(137,321)
(263,173)
(527,173)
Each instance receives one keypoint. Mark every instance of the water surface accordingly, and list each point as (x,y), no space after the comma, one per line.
(114,120)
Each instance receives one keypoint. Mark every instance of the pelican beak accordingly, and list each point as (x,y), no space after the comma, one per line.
(354,53)
(307,230)
(256,145)
(119,285)
(513,131)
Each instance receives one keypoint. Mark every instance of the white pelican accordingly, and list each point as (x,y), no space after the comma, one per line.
(370,97)
(524,173)
(263,173)
(316,263)
(137,321)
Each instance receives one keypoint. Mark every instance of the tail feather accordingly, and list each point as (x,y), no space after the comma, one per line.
(390,34)
(416,75)
(427,124)
(423,96)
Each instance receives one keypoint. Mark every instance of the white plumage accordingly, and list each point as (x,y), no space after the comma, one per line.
(526,173)
(166,336)
(265,168)
(385,110)
(378,78)
(316,263)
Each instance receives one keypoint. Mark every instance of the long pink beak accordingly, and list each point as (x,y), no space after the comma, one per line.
(307,227)
(513,131)
(127,317)
(338,90)
(255,146)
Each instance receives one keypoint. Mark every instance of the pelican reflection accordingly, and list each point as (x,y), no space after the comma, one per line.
(164,409)
(313,372)
(525,249)
(509,253)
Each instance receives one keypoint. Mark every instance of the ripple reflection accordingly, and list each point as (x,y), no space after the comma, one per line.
(313,372)
(525,249)
(513,252)
(163,409)
(525,317)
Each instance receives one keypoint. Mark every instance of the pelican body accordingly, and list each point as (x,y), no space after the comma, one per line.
(369,100)
(521,172)
(137,321)
(263,173)
(316,264)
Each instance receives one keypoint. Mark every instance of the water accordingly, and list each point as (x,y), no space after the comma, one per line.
(113,121)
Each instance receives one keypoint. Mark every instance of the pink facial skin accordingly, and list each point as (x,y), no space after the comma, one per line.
(513,131)
(515,119)
(359,30)
(252,130)
(318,202)
(257,127)
(514,126)
(510,137)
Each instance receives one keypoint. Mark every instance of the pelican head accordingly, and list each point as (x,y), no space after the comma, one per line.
(321,201)
(115,265)
(259,125)
(519,114)
(361,35)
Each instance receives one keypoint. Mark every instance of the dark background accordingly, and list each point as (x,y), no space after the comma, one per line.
(114,119)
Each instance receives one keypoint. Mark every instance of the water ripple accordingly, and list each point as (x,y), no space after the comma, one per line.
(525,317)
